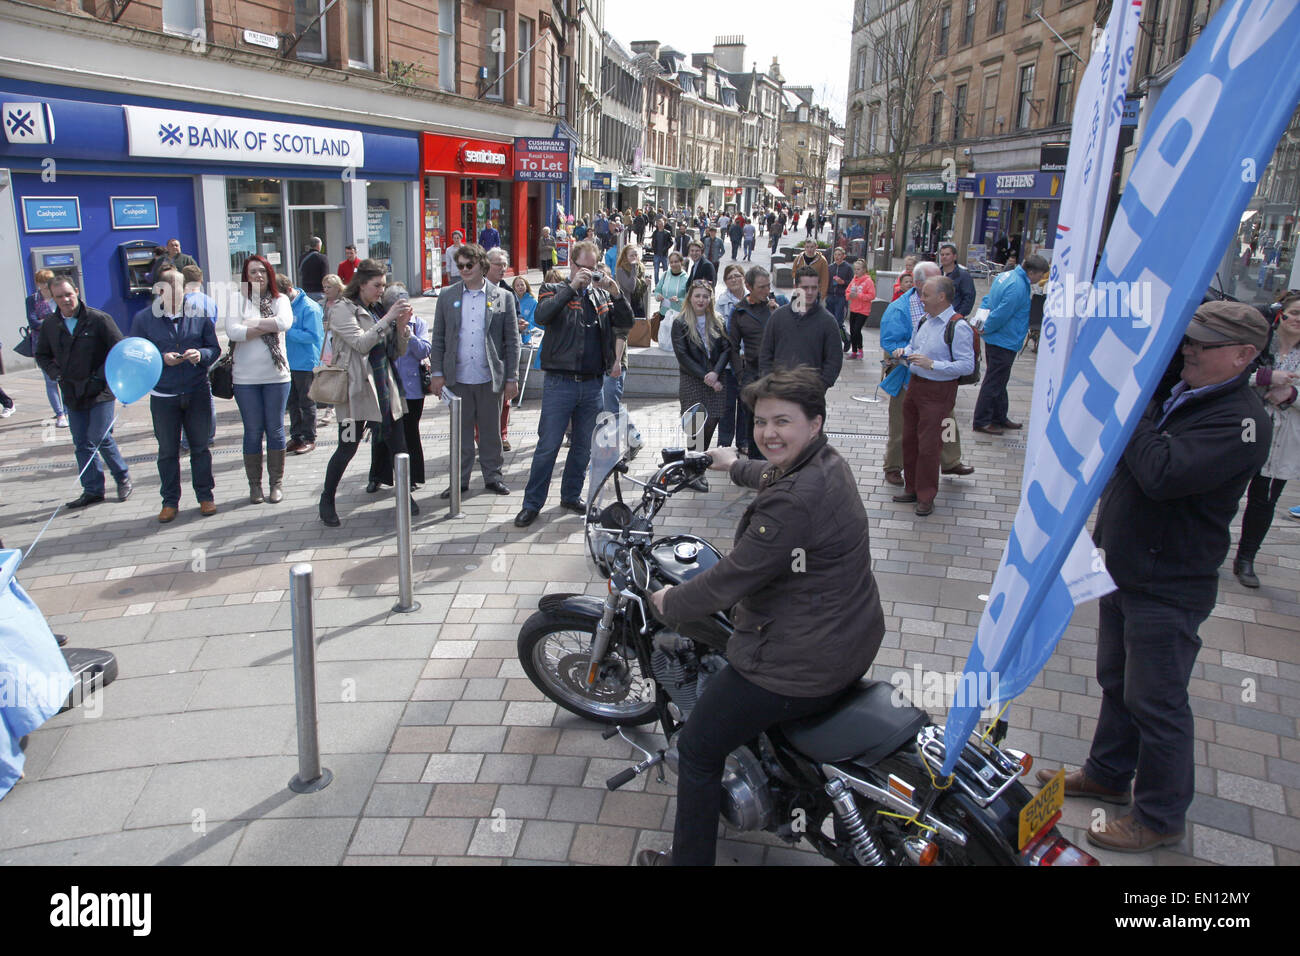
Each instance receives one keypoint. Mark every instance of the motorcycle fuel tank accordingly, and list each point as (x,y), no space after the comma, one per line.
(678,559)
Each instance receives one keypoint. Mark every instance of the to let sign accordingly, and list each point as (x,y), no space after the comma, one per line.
(541,159)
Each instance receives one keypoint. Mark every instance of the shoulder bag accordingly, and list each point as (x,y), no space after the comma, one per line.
(329,383)
(222,374)
(26,347)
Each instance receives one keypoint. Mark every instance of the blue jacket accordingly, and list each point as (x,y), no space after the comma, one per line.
(303,339)
(408,366)
(1008,305)
(195,332)
(895,333)
(963,299)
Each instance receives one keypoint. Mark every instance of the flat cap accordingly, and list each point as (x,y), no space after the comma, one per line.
(1217,322)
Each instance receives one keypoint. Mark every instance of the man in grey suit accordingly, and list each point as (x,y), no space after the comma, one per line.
(476,353)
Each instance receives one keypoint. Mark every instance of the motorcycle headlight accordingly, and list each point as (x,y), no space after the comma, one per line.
(597,546)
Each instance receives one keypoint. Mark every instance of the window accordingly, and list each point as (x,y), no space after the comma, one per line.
(878,70)
(1025,100)
(988,112)
(945,26)
(936,116)
(562,87)
(312,44)
(495,54)
(184,17)
(998,22)
(872,125)
(361,22)
(1064,88)
(959,113)
(968,24)
(861,70)
(524,71)
(447,45)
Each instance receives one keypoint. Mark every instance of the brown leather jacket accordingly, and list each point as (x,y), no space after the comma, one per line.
(807,613)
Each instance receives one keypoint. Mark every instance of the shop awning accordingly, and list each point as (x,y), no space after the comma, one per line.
(636,180)
(773,191)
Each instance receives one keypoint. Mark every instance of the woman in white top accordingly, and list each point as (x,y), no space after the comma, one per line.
(256,328)
(449,257)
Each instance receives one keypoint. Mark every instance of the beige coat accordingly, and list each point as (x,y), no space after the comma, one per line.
(355,332)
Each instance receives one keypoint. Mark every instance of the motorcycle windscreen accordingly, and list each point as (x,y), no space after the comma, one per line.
(607,447)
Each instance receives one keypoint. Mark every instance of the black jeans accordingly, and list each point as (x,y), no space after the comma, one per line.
(350,434)
(992,405)
(302,410)
(727,428)
(1261,500)
(856,321)
(732,712)
(1145,733)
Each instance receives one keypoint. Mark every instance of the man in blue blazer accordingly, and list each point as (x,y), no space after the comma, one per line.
(1004,335)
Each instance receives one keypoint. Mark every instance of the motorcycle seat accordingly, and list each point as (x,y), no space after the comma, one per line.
(864,726)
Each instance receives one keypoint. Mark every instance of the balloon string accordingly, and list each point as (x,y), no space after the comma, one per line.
(90,461)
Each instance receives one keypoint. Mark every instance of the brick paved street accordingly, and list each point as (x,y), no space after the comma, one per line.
(442,751)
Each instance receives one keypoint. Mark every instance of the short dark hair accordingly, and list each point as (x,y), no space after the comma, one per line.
(801,385)
(754,274)
(803,272)
(948,245)
(60,278)
(472,250)
(192,274)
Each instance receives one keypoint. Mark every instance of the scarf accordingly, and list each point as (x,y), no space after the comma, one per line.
(266,306)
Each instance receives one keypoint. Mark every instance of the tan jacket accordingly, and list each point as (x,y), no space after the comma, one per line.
(355,332)
(820,264)
(807,612)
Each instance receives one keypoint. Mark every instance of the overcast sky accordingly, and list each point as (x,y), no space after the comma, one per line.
(813,48)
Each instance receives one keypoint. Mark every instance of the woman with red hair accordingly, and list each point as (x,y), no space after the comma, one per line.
(255,327)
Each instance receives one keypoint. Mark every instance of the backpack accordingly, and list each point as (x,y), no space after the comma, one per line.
(948,333)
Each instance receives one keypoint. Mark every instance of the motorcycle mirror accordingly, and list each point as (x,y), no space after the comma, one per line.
(640,571)
(693,421)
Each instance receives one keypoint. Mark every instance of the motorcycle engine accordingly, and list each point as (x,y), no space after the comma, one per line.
(682,671)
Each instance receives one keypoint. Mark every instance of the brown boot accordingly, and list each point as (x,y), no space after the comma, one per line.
(1127,835)
(1077,784)
(253,468)
(275,470)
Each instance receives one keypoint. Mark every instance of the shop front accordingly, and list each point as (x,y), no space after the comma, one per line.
(131,175)
(929,213)
(1020,208)
(468,186)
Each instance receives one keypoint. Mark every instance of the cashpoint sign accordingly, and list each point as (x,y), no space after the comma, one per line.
(134,212)
(51,214)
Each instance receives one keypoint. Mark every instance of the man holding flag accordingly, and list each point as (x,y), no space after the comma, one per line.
(1163,527)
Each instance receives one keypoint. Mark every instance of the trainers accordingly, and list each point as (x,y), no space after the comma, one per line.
(61,421)
(6,412)
(1295,512)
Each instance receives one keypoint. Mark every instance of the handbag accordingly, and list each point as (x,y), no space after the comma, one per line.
(426,377)
(26,347)
(221,376)
(329,384)
(639,336)
(665,333)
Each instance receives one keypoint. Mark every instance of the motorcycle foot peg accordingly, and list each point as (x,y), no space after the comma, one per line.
(620,778)
(609,732)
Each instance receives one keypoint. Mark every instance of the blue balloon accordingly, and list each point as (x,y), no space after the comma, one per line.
(133,368)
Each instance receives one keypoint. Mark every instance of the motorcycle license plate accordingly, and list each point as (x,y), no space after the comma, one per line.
(1040,812)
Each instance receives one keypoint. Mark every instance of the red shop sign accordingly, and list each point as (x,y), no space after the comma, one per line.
(475,157)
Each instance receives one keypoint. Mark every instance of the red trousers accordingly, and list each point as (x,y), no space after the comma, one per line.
(926,406)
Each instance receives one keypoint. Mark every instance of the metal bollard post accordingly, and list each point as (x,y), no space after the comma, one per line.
(311,775)
(406,602)
(453,406)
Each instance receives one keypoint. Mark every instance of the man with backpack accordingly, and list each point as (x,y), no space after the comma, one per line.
(1004,332)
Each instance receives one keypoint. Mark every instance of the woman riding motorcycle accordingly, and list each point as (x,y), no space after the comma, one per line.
(798,582)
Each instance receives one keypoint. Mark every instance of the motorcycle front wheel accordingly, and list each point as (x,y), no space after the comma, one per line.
(554,651)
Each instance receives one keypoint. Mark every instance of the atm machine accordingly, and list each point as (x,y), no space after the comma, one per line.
(136,263)
(61,260)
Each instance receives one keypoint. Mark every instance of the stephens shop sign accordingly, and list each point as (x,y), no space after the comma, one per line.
(195,137)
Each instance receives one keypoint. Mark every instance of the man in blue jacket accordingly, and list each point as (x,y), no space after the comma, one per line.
(1004,334)
(963,303)
(303,341)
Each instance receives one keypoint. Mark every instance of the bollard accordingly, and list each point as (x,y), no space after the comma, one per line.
(406,602)
(311,775)
(453,406)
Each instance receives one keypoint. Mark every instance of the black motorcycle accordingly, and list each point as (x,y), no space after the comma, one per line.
(860,782)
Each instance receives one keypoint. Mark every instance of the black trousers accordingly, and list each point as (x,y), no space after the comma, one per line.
(381,459)
(856,321)
(350,434)
(732,712)
(992,405)
(1261,500)
(302,410)
(1145,732)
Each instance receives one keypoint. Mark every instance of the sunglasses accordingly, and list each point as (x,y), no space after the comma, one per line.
(1189,342)
(466,265)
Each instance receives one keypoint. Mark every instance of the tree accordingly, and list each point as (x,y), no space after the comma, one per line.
(904,39)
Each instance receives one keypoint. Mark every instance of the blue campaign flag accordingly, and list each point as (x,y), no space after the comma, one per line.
(1209,139)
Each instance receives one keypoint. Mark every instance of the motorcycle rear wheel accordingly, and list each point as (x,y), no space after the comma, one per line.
(553,650)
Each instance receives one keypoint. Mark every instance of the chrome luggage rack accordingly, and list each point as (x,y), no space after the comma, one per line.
(985,774)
